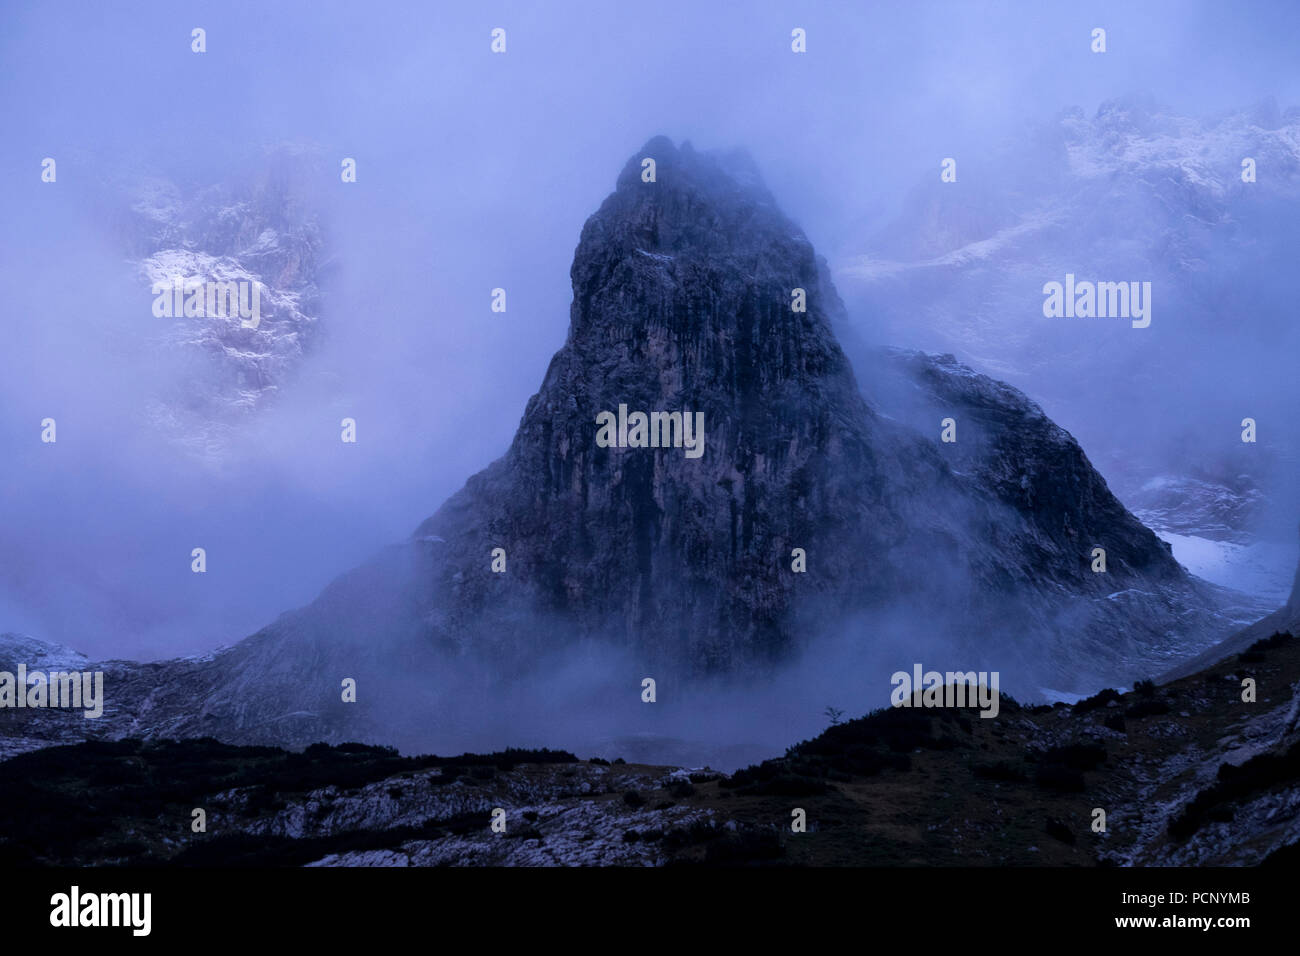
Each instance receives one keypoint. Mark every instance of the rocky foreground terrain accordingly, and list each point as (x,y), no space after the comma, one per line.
(1188,773)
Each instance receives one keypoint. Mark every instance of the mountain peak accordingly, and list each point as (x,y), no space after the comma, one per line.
(679,225)
(719,172)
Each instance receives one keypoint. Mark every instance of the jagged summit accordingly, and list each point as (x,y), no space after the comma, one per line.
(703,216)
(717,172)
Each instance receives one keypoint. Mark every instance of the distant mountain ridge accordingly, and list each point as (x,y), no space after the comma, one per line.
(1134,191)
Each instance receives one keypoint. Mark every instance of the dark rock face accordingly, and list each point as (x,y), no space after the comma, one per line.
(1008,447)
(682,300)
(1142,614)
(682,303)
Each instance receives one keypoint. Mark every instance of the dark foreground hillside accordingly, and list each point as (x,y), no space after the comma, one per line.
(1187,774)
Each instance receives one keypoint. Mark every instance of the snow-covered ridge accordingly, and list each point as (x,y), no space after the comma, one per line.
(38,655)
(258,228)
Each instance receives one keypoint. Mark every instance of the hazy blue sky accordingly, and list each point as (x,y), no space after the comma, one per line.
(474,171)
